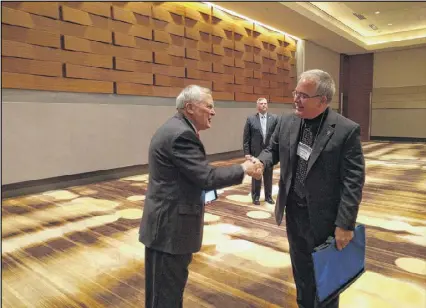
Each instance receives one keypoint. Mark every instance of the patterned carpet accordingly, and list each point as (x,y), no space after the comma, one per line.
(78,247)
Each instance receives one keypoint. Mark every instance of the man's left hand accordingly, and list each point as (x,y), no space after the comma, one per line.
(343,237)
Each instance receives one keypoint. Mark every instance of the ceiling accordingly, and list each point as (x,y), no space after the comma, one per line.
(335,25)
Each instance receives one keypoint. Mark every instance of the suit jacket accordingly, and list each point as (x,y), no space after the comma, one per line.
(253,142)
(173,216)
(335,173)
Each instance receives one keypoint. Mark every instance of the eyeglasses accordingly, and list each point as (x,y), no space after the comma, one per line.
(303,95)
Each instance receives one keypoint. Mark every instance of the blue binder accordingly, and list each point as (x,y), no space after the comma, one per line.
(336,270)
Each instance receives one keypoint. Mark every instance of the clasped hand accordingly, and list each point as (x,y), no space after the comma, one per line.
(253,167)
(343,237)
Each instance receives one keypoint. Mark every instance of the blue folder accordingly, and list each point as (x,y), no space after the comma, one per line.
(336,270)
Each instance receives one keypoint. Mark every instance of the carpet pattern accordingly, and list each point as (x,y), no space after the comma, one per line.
(78,247)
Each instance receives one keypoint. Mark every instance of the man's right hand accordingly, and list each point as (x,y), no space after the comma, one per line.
(253,168)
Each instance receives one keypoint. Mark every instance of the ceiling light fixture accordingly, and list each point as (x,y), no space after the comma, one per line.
(377,12)
(250,20)
(373,26)
(389,24)
(359,16)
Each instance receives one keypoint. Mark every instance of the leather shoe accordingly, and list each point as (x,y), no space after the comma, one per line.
(256,202)
(270,200)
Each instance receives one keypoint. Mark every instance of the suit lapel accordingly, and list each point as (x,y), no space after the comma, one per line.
(324,136)
(268,124)
(294,137)
(259,126)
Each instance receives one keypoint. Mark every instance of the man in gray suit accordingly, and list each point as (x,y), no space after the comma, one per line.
(257,133)
(173,217)
(322,177)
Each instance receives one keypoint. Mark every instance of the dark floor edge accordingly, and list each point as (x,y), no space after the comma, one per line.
(399,139)
(61,182)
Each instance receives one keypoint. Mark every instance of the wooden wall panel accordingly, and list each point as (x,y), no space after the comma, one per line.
(96,8)
(28,51)
(30,36)
(48,9)
(143,48)
(33,67)
(34,82)
(104,74)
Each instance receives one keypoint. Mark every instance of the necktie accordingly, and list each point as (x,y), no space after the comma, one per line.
(302,165)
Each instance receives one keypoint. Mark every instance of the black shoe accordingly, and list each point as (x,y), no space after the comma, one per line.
(256,202)
(270,200)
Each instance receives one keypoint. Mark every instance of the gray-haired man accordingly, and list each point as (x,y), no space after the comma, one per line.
(173,216)
(322,177)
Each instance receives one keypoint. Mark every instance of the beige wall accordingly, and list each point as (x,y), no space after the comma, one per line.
(324,59)
(49,134)
(399,94)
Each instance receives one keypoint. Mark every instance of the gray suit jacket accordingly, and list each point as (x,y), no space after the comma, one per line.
(335,175)
(173,216)
(253,141)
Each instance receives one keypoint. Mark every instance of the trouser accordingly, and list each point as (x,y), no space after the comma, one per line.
(257,184)
(165,278)
(302,243)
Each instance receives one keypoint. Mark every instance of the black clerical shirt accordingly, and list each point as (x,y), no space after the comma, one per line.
(314,125)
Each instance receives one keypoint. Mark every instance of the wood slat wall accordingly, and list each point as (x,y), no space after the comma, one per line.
(143,48)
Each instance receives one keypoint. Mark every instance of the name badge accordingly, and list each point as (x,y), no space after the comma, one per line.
(304,151)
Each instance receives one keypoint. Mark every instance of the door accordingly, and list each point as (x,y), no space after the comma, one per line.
(356,90)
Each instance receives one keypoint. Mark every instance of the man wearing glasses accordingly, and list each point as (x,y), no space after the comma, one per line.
(322,177)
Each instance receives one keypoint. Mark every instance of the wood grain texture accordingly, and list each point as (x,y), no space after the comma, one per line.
(34,82)
(78,247)
(189,41)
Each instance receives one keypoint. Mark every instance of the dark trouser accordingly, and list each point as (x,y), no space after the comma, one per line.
(302,243)
(165,278)
(257,184)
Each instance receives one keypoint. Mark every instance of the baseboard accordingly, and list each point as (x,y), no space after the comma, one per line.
(398,139)
(61,182)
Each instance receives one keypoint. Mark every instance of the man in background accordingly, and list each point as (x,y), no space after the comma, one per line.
(173,216)
(322,177)
(257,133)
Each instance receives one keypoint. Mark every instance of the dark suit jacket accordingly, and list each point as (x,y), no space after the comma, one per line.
(253,142)
(335,175)
(173,216)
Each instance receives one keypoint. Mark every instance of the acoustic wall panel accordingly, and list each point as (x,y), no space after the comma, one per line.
(143,48)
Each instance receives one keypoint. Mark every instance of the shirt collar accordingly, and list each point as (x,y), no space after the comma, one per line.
(192,124)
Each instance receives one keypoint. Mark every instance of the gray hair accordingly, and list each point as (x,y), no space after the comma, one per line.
(191,93)
(325,84)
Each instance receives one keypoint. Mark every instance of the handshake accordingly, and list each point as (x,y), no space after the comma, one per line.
(253,167)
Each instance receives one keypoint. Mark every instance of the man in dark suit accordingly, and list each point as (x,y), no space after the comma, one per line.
(322,177)
(257,133)
(173,217)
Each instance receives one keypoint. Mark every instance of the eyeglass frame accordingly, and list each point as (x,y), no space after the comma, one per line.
(306,96)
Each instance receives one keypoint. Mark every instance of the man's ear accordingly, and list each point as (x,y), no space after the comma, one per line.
(189,108)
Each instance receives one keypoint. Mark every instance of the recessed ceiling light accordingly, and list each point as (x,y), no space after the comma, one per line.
(373,26)
(377,12)
(389,24)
